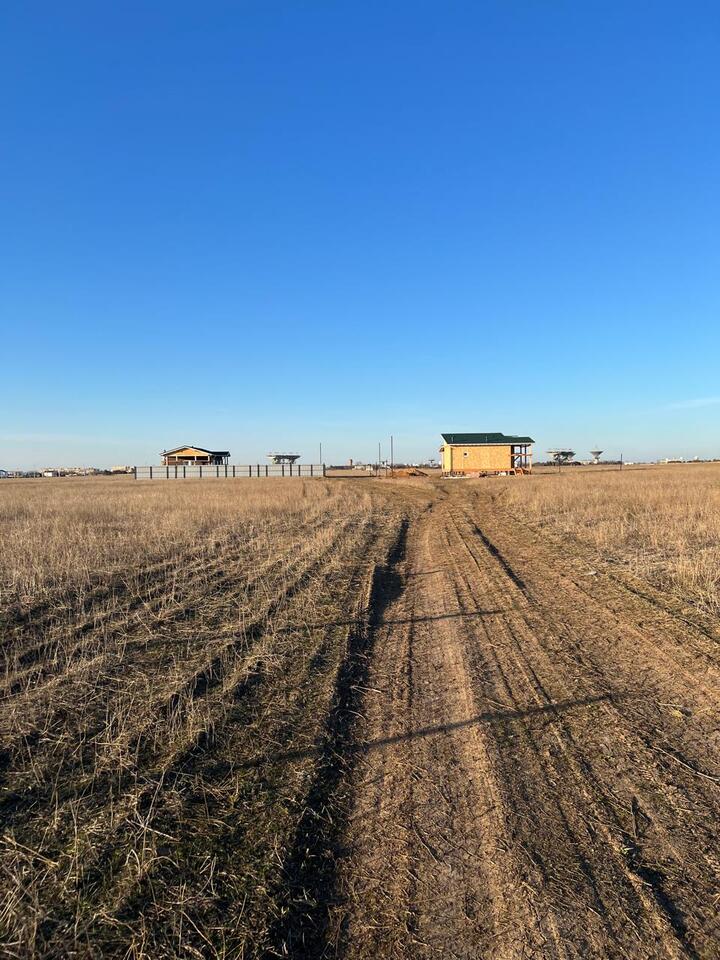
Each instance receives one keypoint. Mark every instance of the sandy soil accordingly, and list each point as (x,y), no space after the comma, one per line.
(537,768)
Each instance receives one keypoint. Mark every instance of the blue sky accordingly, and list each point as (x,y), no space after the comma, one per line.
(254,225)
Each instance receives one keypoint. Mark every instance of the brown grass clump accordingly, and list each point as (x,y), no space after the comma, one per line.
(169,660)
(662,523)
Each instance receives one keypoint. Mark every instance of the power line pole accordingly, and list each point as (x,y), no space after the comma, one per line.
(379,459)
(392,459)
(321,452)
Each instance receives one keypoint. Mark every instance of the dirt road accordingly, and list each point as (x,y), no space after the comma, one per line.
(536,773)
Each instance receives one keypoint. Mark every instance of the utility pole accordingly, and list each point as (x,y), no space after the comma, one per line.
(321,452)
(392,472)
(379,459)
(621,461)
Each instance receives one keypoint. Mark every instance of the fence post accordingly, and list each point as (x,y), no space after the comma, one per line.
(200,465)
(151,473)
(184,471)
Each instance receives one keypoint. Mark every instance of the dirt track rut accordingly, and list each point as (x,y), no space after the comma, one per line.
(538,762)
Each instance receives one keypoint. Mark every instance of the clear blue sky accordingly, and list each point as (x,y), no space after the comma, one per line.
(264,224)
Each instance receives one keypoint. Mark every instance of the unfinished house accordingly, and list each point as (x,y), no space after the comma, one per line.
(194,455)
(483,454)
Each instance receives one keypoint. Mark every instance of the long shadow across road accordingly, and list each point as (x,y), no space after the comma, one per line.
(380,621)
(489,716)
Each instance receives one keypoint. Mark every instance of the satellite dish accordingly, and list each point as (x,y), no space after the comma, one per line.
(595,454)
(562,456)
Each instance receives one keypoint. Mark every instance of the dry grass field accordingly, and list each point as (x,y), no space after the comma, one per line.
(358,719)
(660,522)
(161,644)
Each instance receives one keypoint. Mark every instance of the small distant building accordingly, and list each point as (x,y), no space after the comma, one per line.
(191,454)
(485,453)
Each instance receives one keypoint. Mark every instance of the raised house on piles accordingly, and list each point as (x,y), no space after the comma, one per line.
(187,454)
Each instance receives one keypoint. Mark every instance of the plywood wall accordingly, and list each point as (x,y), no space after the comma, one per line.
(473,459)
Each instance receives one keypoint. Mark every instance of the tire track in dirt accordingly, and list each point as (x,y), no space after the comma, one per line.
(613,891)
(431,873)
(510,799)
(629,656)
(672,854)
(309,873)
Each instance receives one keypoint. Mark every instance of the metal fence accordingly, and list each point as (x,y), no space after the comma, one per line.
(230,471)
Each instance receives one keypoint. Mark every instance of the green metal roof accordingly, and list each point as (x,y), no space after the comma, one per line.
(469,439)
